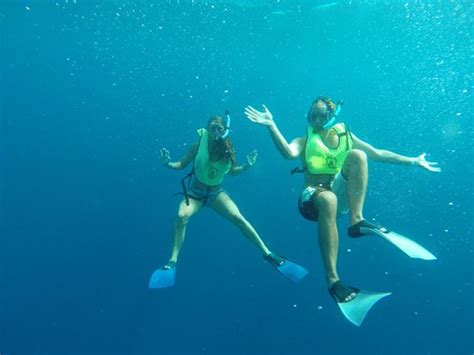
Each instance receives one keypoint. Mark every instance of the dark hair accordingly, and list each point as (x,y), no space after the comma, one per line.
(223,148)
(329,103)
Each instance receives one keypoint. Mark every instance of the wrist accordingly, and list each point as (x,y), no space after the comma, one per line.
(413,161)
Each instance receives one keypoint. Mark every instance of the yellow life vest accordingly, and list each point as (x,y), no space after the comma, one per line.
(319,158)
(210,173)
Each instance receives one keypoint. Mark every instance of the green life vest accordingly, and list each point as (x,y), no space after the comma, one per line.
(319,158)
(210,173)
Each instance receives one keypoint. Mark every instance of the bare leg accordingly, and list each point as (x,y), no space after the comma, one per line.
(326,202)
(355,169)
(229,210)
(179,227)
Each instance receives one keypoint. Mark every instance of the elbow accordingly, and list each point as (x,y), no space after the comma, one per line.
(234,171)
(291,155)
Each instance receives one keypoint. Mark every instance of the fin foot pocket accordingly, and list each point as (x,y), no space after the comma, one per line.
(405,244)
(356,309)
(164,277)
(287,268)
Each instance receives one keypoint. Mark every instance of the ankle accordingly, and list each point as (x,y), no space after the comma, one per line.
(171,263)
(273,258)
(332,280)
(356,219)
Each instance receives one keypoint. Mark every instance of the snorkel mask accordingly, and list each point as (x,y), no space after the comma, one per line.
(326,117)
(219,131)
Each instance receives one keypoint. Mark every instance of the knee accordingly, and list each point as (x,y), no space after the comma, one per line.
(182,218)
(326,203)
(238,220)
(356,157)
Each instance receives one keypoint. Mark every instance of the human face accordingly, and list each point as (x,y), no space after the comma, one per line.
(318,114)
(216,130)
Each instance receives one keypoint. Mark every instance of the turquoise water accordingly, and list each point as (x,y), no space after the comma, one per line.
(90,92)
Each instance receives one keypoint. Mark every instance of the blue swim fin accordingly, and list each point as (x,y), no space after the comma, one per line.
(164,277)
(408,246)
(356,309)
(287,268)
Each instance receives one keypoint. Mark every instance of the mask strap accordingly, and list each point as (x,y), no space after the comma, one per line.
(331,121)
(227,131)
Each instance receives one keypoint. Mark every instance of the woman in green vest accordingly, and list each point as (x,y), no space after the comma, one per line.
(212,157)
(335,182)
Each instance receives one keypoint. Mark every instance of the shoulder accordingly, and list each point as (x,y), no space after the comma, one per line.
(201,132)
(341,126)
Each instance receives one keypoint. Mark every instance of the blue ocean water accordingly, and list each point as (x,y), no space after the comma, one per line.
(90,92)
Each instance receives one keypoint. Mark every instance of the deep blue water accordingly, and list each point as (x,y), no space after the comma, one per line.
(91,90)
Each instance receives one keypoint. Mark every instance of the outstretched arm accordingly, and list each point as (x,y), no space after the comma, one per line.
(387,156)
(288,150)
(180,164)
(251,159)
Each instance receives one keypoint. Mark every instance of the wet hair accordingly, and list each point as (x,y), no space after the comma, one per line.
(222,148)
(329,103)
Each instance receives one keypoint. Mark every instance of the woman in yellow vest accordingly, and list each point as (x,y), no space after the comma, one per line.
(336,173)
(213,156)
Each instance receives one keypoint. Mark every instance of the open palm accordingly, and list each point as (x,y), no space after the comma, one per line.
(428,165)
(264,117)
(252,158)
(164,156)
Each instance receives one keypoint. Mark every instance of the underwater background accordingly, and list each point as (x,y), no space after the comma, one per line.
(90,92)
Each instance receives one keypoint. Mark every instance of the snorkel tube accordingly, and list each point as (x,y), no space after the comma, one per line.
(227,129)
(334,115)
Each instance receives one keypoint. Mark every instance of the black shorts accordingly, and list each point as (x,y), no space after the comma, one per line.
(306,201)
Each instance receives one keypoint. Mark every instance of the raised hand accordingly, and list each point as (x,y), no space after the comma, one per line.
(252,158)
(430,166)
(264,117)
(165,156)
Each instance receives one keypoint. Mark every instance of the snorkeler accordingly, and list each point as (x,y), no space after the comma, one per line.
(213,156)
(336,173)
